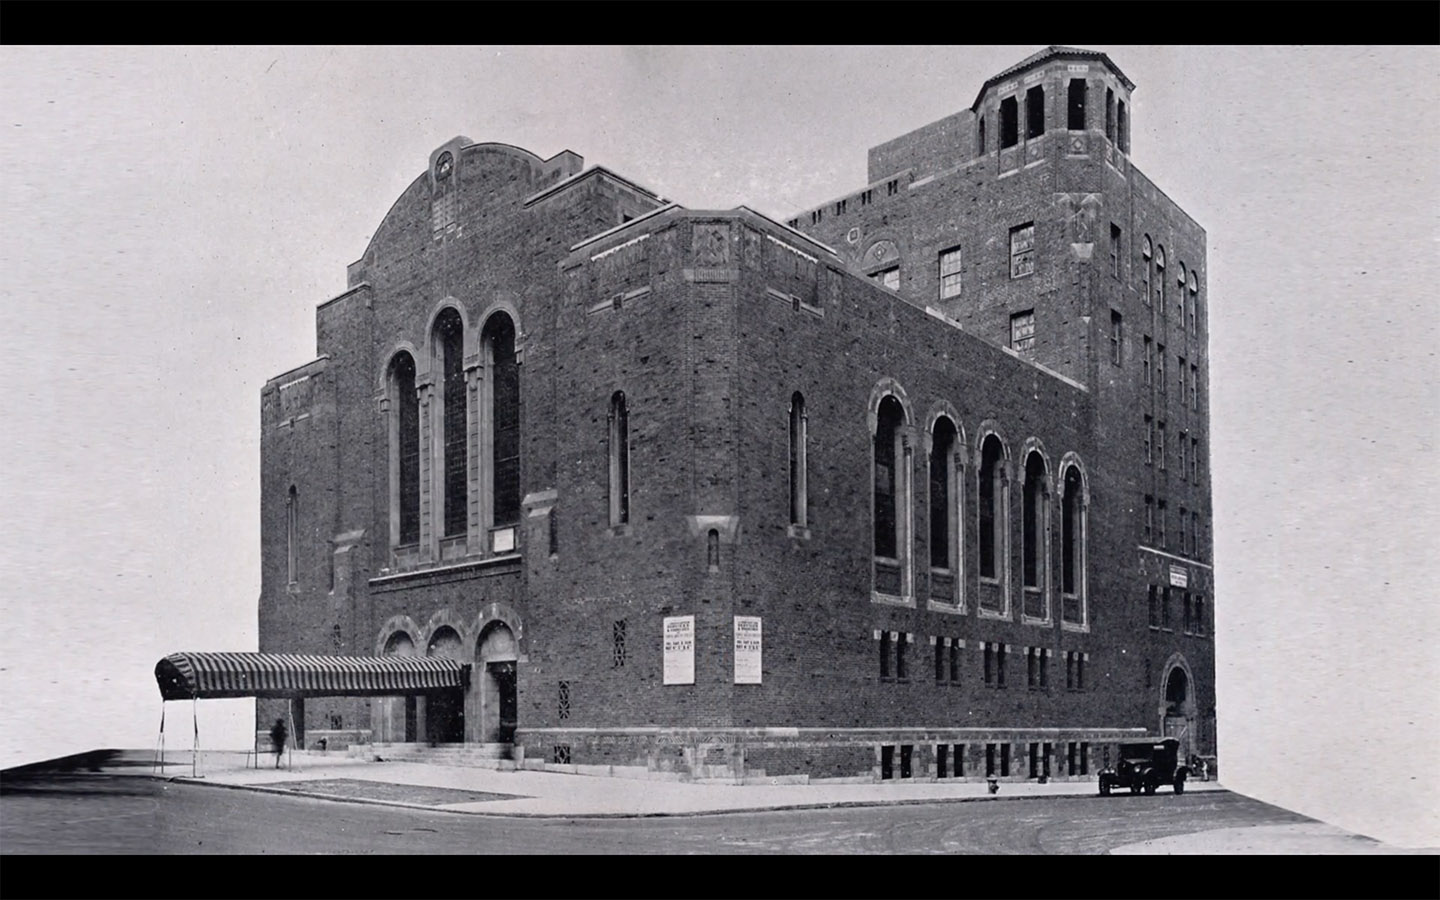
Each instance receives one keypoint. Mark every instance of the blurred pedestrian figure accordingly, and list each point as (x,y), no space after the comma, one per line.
(278,734)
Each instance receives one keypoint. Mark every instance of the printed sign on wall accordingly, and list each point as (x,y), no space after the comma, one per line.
(1179,576)
(679,646)
(747,649)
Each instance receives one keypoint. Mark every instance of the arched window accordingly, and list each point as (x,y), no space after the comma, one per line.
(1034,536)
(1072,548)
(502,413)
(1145,270)
(449,343)
(1180,282)
(799,471)
(1194,302)
(619,459)
(292,534)
(993,509)
(942,495)
(889,478)
(404,451)
(1160,279)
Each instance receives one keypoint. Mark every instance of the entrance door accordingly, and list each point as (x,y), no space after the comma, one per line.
(444,717)
(412,728)
(503,675)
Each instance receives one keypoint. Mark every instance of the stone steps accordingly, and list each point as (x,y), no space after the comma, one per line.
(481,756)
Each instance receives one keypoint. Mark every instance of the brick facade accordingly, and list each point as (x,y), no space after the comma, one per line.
(709,324)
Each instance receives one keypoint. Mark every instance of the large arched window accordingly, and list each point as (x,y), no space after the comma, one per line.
(404,451)
(619,422)
(891,517)
(947,545)
(292,534)
(449,344)
(502,438)
(1034,541)
(992,504)
(1072,548)
(799,469)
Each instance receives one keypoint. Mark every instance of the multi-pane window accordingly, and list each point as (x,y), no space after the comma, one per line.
(1117,337)
(1033,530)
(1194,302)
(1149,440)
(1180,282)
(562,700)
(1114,249)
(1161,515)
(1009,122)
(619,422)
(1022,332)
(942,490)
(950,273)
(1199,615)
(890,277)
(504,396)
(947,660)
(1075,119)
(1160,278)
(1072,537)
(1149,518)
(799,475)
(1194,386)
(405,443)
(1146,264)
(1149,358)
(1160,443)
(1022,250)
(449,342)
(992,507)
(1180,376)
(1160,367)
(1195,460)
(888,477)
(620,652)
(1034,112)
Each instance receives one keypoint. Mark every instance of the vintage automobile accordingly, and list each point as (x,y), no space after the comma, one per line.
(1145,767)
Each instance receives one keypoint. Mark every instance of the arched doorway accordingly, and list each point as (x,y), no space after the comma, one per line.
(497,653)
(397,718)
(1177,708)
(445,710)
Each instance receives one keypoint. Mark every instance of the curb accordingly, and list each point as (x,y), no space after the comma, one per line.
(748,810)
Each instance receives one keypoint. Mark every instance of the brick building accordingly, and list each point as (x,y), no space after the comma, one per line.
(914,485)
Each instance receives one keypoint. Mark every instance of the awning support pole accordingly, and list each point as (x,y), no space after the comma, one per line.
(159,758)
(290,711)
(195,744)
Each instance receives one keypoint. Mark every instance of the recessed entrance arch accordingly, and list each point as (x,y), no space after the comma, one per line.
(445,710)
(397,718)
(1177,705)
(497,653)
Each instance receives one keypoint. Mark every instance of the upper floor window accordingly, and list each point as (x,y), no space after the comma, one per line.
(1072,544)
(993,508)
(1194,302)
(1122,127)
(1034,112)
(1114,250)
(1149,518)
(943,524)
(950,273)
(1076,106)
(619,421)
(503,400)
(1149,357)
(1194,386)
(1160,367)
(798,468)
(1036,524)
(1022,331)
(888,477)
(1022,250)
(890,277)
(1146,264)
(292,534)
(981,140)
(449,347)
(1110,114)
(1160,278)
(404,463)
(1117,335)
(1009,122)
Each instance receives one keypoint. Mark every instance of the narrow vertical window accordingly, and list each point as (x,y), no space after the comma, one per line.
(884,654)
(1149,358)
(1160,443)
(619,650)
(1161,515)
(1122,127)
(292,534)
(1180,282)
(1154,598)
(1180,449)
(1033,529)
(1009,122)
(1034,112)
(1110,114)
(1072,535)
(887,477)
(1146,271)
(1160,278)
(799,474)
(1160,368)
(1022,250)
(449,342)
(1149,518)
(1195,460)
(712,550)
(562,700)
(942,473)
(1183,523)
(619,459)
(1149,440)
(1194,386)
(1117,334)
(890,277)
(504,401)
(942,645)
(1000,665)
(1114,250)
(404,451)
(992,511)
(902,671)
(1076,105)
(1194,533)
(1194,302)
(981,140)
(950,273)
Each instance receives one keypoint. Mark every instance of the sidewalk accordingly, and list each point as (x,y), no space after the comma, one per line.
(552,794)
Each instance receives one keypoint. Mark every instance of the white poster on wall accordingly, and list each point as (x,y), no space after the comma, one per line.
(679,645)
(747,649)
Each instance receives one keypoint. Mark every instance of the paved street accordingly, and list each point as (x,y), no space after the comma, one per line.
(119,814)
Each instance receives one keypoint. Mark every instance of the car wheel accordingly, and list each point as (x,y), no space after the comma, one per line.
(1150,786)
(1180,784)
(1134,787)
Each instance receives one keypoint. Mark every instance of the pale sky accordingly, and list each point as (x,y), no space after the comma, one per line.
(172,217)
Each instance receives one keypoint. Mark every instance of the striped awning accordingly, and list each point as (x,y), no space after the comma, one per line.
(183,676)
